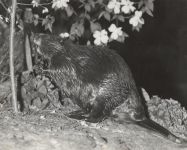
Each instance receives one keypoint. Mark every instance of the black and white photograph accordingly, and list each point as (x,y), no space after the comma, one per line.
(93,74)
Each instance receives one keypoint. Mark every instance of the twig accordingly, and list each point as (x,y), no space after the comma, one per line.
(2,59)
(4,74)
(12,75)
(24,4)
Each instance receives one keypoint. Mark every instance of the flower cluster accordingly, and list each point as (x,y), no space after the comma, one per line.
(102,38)
(115,5)
(35,3)
(45,10)
(115,31)
(56,4)
(126,6)
(60,4)
(136,19)
(64,35)
(115,10)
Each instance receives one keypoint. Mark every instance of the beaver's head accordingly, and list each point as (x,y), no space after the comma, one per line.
(47,45)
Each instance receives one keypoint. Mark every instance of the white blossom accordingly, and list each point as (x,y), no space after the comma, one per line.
(34,3)
(127,6)
(60,3)
(101,37)
(36,16)
(114,5)
(45,10)
(116,31)
(136,19)
(64,35)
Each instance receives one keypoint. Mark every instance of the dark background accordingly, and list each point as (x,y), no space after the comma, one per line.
(157,55)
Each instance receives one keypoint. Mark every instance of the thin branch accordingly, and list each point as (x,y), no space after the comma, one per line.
(2,59)
(4,74)
(24,4)
(12,75)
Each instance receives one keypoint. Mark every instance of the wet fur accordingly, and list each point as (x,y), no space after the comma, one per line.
(96,78)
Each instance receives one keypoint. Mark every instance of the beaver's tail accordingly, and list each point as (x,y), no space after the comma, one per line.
(153,126)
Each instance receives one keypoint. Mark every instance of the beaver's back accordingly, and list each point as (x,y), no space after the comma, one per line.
(96,78)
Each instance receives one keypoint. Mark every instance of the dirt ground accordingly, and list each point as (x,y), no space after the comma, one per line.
(52,130)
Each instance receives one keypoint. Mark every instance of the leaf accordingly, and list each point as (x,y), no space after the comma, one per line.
(149,12)
(77,29)
(69,11)
(125,34)
(101,14)
(114,17)
(107,16)
(48,26)
(44,21)
(80,29)
(100,1)
(45,10)
(122,37)
(121,18)
(92,3)
(140,4)
(150,5)
(138,27)
(35,19)
(48,22)
(87,16)
(95,26)
(87,7)
(82,1)
(35,22)
(28,15)
(108,10)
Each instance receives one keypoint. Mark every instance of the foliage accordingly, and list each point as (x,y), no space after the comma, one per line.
(106,20)
(169,113)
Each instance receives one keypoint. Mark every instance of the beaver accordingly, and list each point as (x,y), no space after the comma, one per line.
(96,78)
